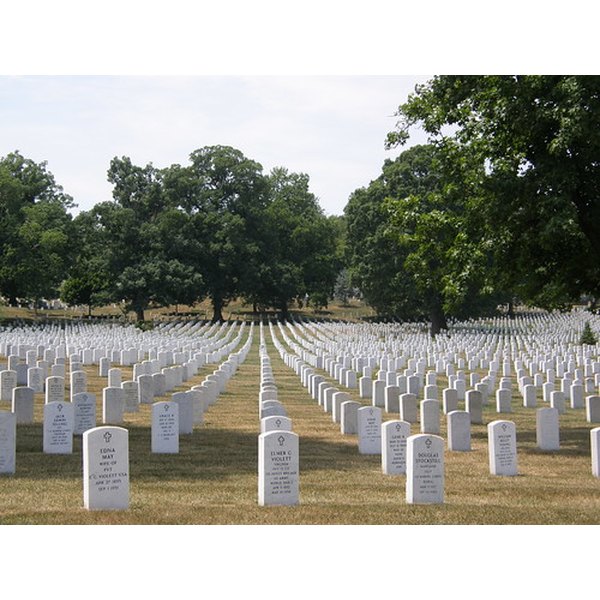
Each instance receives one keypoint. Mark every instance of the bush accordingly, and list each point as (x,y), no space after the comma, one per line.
(587,336)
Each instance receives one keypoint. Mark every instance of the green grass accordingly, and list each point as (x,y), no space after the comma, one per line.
(213,479)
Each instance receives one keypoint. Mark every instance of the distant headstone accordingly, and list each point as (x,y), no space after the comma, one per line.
(278,468)
(592,409)
(369,430)
(408,408)
(8,381)
(114,377)
(393,447)
(459,431)
(430,416)
(57,370)
(198,396)
(529,400)
(337,399)
(349,417)
(502,448)
(272,408)
(35,379)
(275,424)
(424,469)
(474,406)
(103,366)
(557,400)
(160,384)
(8,441)
(22,404)
(186,411)
(55,389)
(503,400)
(165,428)
(547,429)
(146,388)
(84,412)
(58,428)
(112,405)
(378,393)
(131,396)
(449,400)
(106,468)
(392,399)
(576,393)
(78,382)
(365,387)
(595,451)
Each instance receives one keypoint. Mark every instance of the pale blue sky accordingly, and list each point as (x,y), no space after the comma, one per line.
(331,127)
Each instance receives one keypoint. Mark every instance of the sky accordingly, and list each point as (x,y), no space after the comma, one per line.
(332,128)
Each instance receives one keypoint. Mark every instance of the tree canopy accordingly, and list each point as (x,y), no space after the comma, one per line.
(36,230)
(533,142)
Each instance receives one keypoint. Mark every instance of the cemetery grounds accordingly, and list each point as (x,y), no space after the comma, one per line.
(213,478)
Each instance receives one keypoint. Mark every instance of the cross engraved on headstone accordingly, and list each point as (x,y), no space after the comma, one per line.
(503,426)
(166,407)
(428,443)
(59,408)
(107,436)
(278,422)
(281,439)
(398,427)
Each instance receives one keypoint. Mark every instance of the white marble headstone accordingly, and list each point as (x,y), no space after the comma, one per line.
(278,468)
(502,448)
(106,468)
(424,469)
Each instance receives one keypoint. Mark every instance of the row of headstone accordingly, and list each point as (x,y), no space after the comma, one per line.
(278,445)
(316,354)
(179,415)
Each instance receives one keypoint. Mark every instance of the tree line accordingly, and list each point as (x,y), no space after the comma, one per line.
(218,228)
(500,206)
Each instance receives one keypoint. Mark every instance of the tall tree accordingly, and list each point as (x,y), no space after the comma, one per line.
(298,246)
(538,139)
(88,280)
(36,230)
(142,235)
(223,194)
(375,256)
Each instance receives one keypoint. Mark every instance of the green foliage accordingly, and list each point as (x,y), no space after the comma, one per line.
(36,231)
(530,144)
(138,241)
(587,336)
(221,196)
(296,249)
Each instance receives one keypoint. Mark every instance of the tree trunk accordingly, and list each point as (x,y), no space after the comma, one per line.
(285,313)
(217,304)
(438,319)
(139,314)
(90,311)
(511,309)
